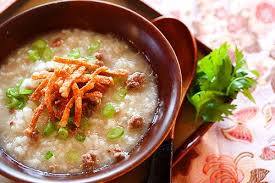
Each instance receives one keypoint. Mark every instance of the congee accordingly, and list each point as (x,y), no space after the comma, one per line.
(74,101)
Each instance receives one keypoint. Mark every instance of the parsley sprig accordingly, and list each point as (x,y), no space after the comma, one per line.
(218,82)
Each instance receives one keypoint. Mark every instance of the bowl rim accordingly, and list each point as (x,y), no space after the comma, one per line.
(140,157)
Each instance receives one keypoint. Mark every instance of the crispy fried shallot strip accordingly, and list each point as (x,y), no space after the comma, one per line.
(98,79)
(79,62)
(90,84)
(49,96)
(37,112)
(94,96)
(78,104)
(116,73)
(100,87)
(66,87)
(41,75)
(66,114)
(60,106)
(38,91)
(72,81)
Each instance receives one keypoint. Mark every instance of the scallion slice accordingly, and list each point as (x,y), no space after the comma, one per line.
(80,137)
(33,55)
(49,129)
(108,110)
(115,133)
(94,46)
(48,155)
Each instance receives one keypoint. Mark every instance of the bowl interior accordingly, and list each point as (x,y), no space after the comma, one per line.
(103,18)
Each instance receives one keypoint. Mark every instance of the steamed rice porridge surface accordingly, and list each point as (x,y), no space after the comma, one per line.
(99,147)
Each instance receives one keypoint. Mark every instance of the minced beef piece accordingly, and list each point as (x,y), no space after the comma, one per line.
(135,80)
(88,160)
(136,122)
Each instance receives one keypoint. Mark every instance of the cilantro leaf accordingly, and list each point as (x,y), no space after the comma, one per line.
(201,98)
(215,70)
(218,81)
(216,110)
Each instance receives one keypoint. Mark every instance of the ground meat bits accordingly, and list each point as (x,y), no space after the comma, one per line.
(135,80)
(135,122)
(57,42)
(88,160)
(99,58)
(117,153)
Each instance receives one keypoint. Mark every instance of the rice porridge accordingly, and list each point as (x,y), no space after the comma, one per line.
(75,100)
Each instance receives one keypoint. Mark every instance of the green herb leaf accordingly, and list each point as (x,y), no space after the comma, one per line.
(216,110)
(16,98)
(25,92)
(215,70)
(218,81)
(48,155)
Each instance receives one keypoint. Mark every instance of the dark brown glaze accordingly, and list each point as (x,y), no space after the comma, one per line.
(103,18)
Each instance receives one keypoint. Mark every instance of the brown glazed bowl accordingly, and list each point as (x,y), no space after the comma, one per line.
(103,18)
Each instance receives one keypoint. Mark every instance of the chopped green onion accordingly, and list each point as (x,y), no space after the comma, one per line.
(48,155)
(63,133)
(47,54)
(25,92)
(115,133)
(49,129)
(14,103)
(12,92)
(80,137)
(108,110)
(21,104)
(72,156)
(40,50)
(16,97)
(74,53)
(94,46)
(33,55)
(120,94)
(39,44)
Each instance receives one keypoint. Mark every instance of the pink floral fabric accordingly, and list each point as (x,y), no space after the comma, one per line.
(241,148)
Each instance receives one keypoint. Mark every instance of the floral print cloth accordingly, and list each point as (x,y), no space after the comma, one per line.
(241,148)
